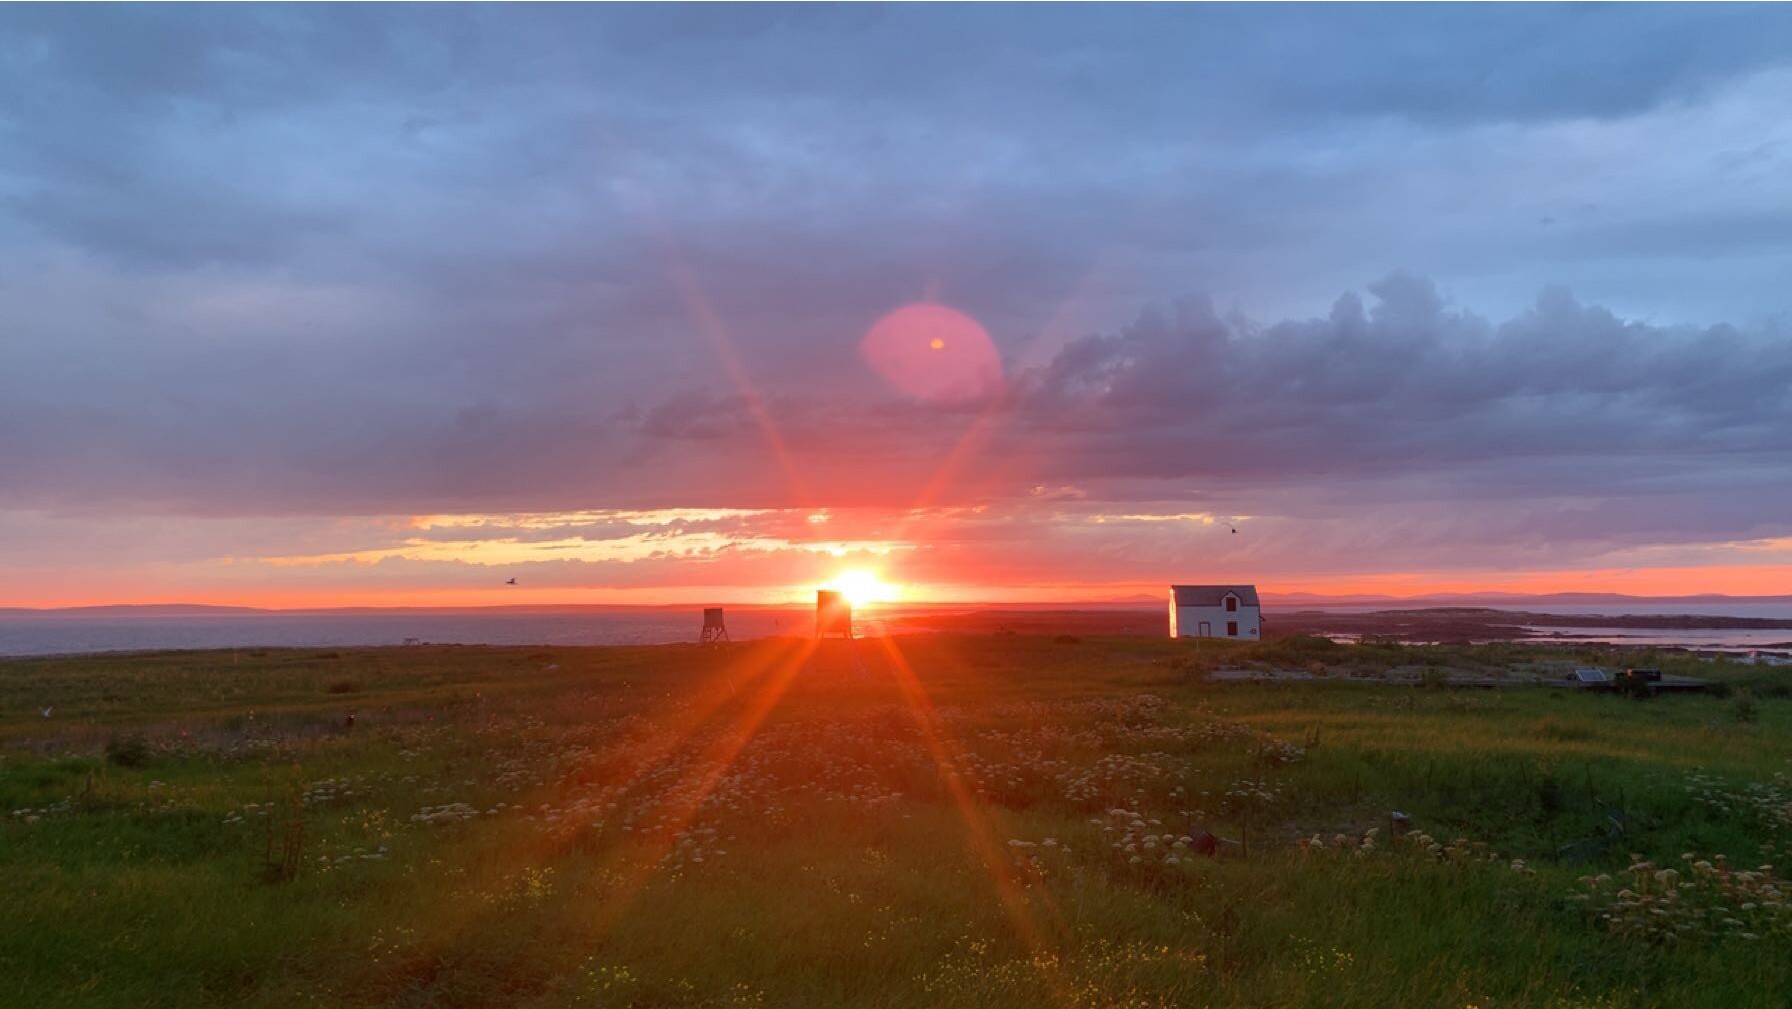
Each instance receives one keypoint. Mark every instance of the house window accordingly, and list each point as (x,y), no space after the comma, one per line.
(1231,604)
(1231,628)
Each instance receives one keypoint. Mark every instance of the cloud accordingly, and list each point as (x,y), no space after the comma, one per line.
(1412,386)
(294,265)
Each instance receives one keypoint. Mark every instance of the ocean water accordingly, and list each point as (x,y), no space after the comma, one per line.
(1723,639)
(81,633)
(73,633)
(1762,611)
(1592,631)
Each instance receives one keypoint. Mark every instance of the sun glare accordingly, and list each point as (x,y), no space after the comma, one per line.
(861,587)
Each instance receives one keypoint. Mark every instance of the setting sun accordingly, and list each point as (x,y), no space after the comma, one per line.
(861,587)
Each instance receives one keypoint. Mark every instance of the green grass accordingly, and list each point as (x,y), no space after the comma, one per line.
(761,826)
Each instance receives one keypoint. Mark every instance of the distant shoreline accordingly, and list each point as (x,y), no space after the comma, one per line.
(1287,604)
(1438,624)
(108,630)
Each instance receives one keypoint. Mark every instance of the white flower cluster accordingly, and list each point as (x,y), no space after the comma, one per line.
(238,816)
(1141,840)
(317,793)
(1708,899)
(453,812)
(29,815)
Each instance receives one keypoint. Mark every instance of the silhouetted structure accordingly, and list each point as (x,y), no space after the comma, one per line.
(714,629)
(833,614)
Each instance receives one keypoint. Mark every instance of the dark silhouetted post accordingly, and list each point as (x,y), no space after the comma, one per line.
(714,629)
(833,614)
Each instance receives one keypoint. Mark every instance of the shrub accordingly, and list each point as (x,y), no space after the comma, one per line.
(127,751)
(1193,668)
(1743,707)
(1550,798)
(1551,727)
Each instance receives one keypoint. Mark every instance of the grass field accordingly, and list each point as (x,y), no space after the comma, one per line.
(924,821)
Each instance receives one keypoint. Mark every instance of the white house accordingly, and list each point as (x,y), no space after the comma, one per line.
(1215,611)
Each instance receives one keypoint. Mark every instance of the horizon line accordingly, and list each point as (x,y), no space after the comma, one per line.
(1063,604)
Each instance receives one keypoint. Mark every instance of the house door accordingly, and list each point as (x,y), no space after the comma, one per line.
(1206,629)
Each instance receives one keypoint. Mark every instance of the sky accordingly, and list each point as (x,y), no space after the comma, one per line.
(364,305)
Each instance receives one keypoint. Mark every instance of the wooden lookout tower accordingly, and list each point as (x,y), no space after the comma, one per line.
(714,629)
(833,614)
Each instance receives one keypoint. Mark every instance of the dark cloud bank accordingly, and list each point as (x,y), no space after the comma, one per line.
(1409,385)
(293,261)
(1398,396)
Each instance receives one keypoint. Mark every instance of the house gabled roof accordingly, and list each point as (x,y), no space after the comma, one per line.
(1213,595)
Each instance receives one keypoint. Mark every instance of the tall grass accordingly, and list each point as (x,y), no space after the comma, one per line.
(759,826)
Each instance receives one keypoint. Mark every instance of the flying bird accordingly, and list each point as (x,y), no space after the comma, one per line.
(511,582)
(1234,530)
(46,711)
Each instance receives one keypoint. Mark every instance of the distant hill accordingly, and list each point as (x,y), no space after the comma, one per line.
(1283,600)
(1509,599)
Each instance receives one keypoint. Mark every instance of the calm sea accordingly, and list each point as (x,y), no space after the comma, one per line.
(1711,639)
(1760,610)
(1592,631)
(61,634)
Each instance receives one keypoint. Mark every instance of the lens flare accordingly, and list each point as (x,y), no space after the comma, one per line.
(931,352)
